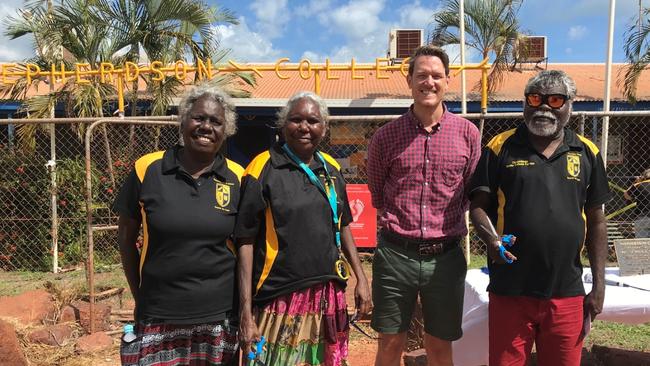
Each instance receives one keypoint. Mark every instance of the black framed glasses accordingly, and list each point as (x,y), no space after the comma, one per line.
(555,101)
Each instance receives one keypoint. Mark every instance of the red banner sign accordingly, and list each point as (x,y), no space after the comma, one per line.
(364,216)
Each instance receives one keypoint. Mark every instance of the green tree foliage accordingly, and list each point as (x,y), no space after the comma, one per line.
(491,28)
(115,31)
(637,53)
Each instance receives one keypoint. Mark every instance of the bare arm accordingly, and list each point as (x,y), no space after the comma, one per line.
(484,227)
(596,243)
(363,302)
(127,235)
(248,331)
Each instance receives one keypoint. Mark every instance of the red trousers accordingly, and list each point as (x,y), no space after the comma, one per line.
(553,325)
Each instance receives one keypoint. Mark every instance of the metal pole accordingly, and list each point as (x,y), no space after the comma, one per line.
(463,99)
(54,191)
(463,80)
(90,265)
(608,80)
(11,132)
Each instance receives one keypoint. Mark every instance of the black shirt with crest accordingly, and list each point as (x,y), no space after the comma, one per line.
(541,201)
(187,261)
(291,222)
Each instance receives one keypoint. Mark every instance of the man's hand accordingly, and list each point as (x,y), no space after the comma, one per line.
(594,301)
(495,255)
(248,333)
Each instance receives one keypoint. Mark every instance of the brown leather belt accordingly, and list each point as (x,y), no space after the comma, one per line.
(424,247)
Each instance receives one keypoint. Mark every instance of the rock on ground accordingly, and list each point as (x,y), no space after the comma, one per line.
(53,335)
(10,352)
(93,343)
(28,308)
(81,310)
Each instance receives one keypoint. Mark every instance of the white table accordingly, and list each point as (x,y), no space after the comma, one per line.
(622,304)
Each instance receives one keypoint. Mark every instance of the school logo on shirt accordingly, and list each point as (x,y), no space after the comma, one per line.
(573,166)
(222,194)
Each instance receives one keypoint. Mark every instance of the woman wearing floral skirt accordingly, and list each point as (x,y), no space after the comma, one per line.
(296,250)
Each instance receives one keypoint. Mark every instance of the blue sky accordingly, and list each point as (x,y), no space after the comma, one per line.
(342,29)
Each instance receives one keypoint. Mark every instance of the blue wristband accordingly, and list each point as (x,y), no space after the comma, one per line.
(502,254)
(259,347)
(508,240)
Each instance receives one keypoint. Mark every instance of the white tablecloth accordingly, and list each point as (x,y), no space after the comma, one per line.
(622,304)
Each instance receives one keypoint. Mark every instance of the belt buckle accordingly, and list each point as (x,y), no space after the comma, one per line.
(430,248)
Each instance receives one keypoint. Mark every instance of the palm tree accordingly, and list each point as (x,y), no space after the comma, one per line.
(164,31)
(112,31)
(637,53)
(169,30)
(491,28)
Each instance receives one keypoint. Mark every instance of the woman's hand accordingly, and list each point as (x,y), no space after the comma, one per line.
(362,298)
(248,333)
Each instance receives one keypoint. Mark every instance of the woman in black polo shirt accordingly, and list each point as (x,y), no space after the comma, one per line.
(292,228)
(182,279)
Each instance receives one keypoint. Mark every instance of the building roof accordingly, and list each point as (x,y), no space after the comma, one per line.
(589,78)
(393,91)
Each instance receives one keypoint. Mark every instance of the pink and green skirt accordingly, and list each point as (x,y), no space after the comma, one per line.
(306,327)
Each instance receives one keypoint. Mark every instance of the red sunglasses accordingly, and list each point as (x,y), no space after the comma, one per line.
(555,101)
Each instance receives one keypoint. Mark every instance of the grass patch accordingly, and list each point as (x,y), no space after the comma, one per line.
(617,335)
(14,283)
(477,261)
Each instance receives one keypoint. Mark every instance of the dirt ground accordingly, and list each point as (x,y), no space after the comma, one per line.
(27,314)
(29,307)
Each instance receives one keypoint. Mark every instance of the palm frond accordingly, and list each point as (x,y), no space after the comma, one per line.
(637,54)
(491,28)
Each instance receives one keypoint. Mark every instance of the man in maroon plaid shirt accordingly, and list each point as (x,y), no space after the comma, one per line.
(419,167)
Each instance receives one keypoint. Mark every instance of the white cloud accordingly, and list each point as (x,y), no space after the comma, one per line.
(16,49)
(246,45)
(365,35)
(272,16)
(357,18)
(415,16)
(313,56)
(317,8)
(577,32)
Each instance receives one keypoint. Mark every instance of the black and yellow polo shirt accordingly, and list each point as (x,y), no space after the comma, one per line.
(187,262)
(541,201)
(291,222)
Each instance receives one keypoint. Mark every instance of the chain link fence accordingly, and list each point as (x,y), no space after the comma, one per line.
(627,157)
(27,217)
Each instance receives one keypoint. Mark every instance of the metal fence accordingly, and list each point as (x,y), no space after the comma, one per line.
(628,155)
(43,215)
(34,207)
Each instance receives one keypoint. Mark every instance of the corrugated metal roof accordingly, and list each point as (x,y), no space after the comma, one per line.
(589,78)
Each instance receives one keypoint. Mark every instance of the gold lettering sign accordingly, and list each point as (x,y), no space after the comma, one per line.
(107,72)
(129,71)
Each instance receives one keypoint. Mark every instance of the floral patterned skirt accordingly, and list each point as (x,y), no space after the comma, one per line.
(306,327)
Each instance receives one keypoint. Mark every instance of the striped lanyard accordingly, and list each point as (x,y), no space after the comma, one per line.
(330,193)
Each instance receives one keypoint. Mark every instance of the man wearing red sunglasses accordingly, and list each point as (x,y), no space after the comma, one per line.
(546,185)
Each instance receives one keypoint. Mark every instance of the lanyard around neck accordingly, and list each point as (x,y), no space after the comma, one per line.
(330,193)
